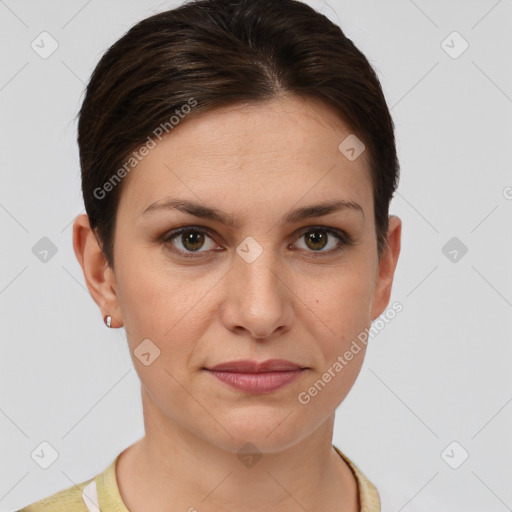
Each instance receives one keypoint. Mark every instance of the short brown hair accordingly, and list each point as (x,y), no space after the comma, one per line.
(223,52)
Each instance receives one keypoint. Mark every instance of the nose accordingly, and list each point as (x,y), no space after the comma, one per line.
(257,299)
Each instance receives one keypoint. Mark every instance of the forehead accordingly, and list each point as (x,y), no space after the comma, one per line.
(267,150)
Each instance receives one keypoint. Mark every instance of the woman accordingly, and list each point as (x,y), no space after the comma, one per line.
(238,160)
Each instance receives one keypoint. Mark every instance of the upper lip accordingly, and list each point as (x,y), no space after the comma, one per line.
(248,366)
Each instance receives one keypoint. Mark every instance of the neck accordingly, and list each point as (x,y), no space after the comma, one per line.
(171,464)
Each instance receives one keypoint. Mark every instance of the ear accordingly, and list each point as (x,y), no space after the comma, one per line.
(99,277)
(387,265)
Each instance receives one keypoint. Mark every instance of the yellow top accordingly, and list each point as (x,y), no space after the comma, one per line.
(101,494)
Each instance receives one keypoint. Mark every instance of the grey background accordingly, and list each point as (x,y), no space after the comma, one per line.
(438,373)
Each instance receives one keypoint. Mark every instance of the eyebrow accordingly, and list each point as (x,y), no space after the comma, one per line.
(294,216)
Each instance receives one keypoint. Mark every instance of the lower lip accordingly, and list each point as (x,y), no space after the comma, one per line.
(263,382)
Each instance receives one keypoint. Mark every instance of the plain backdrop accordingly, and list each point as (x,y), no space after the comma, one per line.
(429,419)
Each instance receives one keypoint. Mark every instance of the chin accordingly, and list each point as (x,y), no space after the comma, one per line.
(269,434)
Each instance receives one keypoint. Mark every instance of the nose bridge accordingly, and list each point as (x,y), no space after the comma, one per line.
(256,270)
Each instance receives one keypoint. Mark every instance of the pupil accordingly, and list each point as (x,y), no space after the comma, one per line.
(192,239)
(318,238)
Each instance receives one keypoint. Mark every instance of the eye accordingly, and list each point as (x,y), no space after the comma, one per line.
(189,240)
(317,239)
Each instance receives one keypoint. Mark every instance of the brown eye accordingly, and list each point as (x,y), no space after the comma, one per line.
(316,240)
(323,240)
(192,240)
(187,241)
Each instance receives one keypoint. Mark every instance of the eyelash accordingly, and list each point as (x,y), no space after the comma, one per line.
(344,240)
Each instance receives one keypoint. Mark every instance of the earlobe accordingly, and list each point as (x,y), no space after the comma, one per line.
(99,278)
(387,266)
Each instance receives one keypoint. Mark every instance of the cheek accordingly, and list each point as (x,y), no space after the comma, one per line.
(166,309)
(341,304)
(336,314)
(165,305)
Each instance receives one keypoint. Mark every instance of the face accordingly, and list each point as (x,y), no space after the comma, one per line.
(267,277)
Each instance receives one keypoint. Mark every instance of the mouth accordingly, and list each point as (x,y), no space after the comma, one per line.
(253,377)
(249,366)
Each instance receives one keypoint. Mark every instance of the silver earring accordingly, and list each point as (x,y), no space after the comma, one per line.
(108,321)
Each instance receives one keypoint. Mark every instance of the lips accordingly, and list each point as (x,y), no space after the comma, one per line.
(253,377)
(248,366)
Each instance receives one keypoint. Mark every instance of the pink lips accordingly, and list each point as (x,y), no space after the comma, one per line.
(254,377)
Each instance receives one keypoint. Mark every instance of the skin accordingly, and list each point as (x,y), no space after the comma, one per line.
(297,301)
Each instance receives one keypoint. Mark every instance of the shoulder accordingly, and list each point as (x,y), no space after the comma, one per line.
(66,500)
